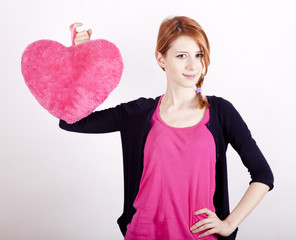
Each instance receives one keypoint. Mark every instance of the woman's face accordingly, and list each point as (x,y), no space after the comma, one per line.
(183,62)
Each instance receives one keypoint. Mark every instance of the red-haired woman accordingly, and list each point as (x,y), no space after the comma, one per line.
(174,147)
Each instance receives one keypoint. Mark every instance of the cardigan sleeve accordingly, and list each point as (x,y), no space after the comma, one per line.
(107,120)
(237,133)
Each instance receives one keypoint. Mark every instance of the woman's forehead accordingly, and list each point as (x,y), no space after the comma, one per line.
(185,44)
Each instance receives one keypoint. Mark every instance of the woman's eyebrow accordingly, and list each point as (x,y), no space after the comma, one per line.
(186,52)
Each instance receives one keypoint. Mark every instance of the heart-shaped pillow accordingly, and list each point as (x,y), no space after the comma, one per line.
(70,82)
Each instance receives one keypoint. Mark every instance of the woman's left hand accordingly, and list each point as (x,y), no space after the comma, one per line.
(213,224)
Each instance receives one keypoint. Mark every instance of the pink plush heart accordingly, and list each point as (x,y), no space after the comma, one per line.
(70,82)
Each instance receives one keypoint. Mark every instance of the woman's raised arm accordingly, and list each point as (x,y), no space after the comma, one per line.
(103,121)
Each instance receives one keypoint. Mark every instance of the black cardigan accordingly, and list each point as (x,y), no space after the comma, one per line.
(132,119)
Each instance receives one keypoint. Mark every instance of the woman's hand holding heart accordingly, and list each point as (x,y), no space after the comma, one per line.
(81,37)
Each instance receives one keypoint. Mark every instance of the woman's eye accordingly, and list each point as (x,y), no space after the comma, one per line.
(180,56)
(200,55)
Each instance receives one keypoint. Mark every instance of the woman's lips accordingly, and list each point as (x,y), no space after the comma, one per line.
(190,76)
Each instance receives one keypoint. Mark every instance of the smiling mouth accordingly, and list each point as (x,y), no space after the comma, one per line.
(189,76)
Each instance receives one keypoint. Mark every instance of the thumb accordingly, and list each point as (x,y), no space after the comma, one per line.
(89,31)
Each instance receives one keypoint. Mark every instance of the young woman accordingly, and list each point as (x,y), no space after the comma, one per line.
(174,147)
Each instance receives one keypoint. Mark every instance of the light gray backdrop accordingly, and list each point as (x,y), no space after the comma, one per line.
(57,185)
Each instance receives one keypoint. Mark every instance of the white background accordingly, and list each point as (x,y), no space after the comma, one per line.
(58,185)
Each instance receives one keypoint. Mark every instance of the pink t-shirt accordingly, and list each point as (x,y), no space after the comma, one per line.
(178,178)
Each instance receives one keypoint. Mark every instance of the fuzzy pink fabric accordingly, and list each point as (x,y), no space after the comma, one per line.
(70,82)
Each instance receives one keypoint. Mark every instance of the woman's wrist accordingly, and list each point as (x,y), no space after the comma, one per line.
(230,225)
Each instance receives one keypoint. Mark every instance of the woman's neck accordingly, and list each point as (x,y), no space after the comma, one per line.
(179,98)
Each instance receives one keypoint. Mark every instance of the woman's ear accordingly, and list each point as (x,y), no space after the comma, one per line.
(160,59)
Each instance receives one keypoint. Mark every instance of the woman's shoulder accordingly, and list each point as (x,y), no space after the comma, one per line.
(139,105)
(224,108)
(218,101)
(142,101)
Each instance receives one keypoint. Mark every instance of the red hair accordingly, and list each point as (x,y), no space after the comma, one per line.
(172,28)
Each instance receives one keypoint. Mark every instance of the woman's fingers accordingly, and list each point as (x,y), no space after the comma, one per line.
(211,225)
(200,223)
(82,36)
(204,210)
(204,227)
(209,232)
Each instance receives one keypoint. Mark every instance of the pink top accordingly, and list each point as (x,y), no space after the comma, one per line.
(178,179)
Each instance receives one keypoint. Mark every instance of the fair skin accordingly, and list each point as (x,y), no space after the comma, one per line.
(178,105)
(178,109)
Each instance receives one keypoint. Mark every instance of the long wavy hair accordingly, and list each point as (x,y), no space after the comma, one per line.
(172,28)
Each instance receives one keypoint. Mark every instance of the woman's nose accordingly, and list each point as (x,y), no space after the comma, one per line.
(191,64)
